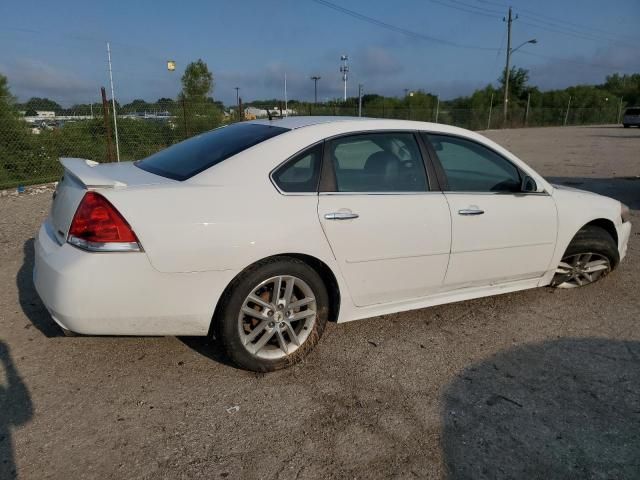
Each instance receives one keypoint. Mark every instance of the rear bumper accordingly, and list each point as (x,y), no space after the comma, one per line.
(624,232)
(121,293)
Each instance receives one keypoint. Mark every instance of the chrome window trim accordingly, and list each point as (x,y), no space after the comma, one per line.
(432,192)
(518,194)
(281,164)
(520,170)
(412,132)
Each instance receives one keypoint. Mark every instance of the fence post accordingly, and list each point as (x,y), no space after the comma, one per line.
(490,109)
(619,110)
(107,124)
(184,118)
(566,117)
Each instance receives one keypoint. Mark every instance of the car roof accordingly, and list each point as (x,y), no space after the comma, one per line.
(299,122)
(355,123)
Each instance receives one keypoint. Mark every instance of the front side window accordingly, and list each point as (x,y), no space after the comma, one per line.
(378,162)
(186,159)
(471,167)
(301,173)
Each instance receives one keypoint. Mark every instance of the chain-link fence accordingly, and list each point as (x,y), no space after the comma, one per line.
(30,147)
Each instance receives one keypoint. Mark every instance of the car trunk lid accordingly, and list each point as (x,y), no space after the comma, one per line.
(81,175)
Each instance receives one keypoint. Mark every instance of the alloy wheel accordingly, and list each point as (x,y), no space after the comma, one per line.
(581,269)
(277,317)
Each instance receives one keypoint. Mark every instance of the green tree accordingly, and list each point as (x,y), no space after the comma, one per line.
(21,161)
(197,111)
(518,78)
(37,103)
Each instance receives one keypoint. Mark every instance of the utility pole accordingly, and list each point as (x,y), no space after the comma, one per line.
(315,79)
(437,107)
(505,105)
(237,89)
(526,112)
(286,102)
(360,99)
(113,101)
(490,109)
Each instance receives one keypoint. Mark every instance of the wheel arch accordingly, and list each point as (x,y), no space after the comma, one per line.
(607,225)
(325,272)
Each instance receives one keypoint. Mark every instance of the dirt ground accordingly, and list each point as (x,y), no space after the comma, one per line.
(540,383)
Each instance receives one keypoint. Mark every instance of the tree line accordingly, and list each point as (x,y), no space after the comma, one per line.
(28,156)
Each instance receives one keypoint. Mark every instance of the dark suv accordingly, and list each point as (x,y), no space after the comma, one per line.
(631,117)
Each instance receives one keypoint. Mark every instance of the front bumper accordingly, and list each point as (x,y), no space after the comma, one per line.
(624,232)
(121,293)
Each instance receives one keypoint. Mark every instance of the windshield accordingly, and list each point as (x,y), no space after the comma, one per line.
(632,111)
(188,158)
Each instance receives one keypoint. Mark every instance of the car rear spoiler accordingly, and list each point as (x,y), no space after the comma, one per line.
(86,172)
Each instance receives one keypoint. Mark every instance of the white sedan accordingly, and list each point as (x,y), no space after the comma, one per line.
(258,233)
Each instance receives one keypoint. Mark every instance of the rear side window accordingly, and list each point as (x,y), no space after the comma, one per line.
(632,111)
(188,158)
(378,162)
(301,173)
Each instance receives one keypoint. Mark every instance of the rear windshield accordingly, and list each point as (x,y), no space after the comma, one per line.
(632,111)
(186,159)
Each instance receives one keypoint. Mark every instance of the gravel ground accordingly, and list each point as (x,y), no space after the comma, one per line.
(531,384)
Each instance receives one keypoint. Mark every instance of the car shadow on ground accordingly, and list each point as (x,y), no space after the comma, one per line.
(207,347)
(16,409)
(29,300)
(624,189)
(560,409)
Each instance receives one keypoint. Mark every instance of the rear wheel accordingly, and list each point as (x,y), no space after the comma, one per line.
(625,125)
(274,315)
(591,255)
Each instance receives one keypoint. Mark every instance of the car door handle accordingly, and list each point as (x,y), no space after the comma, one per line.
(470,211)
(341,215)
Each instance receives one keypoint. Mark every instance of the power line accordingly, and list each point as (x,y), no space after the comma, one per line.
(562,22)
(557,27)
(397,29)
(463,7)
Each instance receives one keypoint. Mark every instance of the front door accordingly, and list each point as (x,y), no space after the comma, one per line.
(499,233)
(390,234)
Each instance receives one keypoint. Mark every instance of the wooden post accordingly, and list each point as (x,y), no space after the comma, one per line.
(107,124)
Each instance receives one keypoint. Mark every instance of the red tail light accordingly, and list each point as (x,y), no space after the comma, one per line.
(98,226)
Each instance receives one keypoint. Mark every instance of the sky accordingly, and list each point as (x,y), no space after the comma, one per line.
(446,47)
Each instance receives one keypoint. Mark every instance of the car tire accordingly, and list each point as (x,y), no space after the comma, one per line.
(625,125)
(234,329)
(591,255)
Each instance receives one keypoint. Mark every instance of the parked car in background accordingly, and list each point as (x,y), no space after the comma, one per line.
(631,117)
(260,232)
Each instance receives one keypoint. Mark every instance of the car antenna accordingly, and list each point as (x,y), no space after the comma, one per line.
(269,114)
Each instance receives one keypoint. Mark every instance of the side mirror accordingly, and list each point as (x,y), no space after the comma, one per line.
(528,185)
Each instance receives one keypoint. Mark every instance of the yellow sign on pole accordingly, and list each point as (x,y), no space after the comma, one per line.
(171,65)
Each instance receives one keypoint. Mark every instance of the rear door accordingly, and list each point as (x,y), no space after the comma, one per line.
(389,232)
(499,233)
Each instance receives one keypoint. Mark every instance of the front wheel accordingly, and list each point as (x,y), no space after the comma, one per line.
(590,256)
(274,314)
